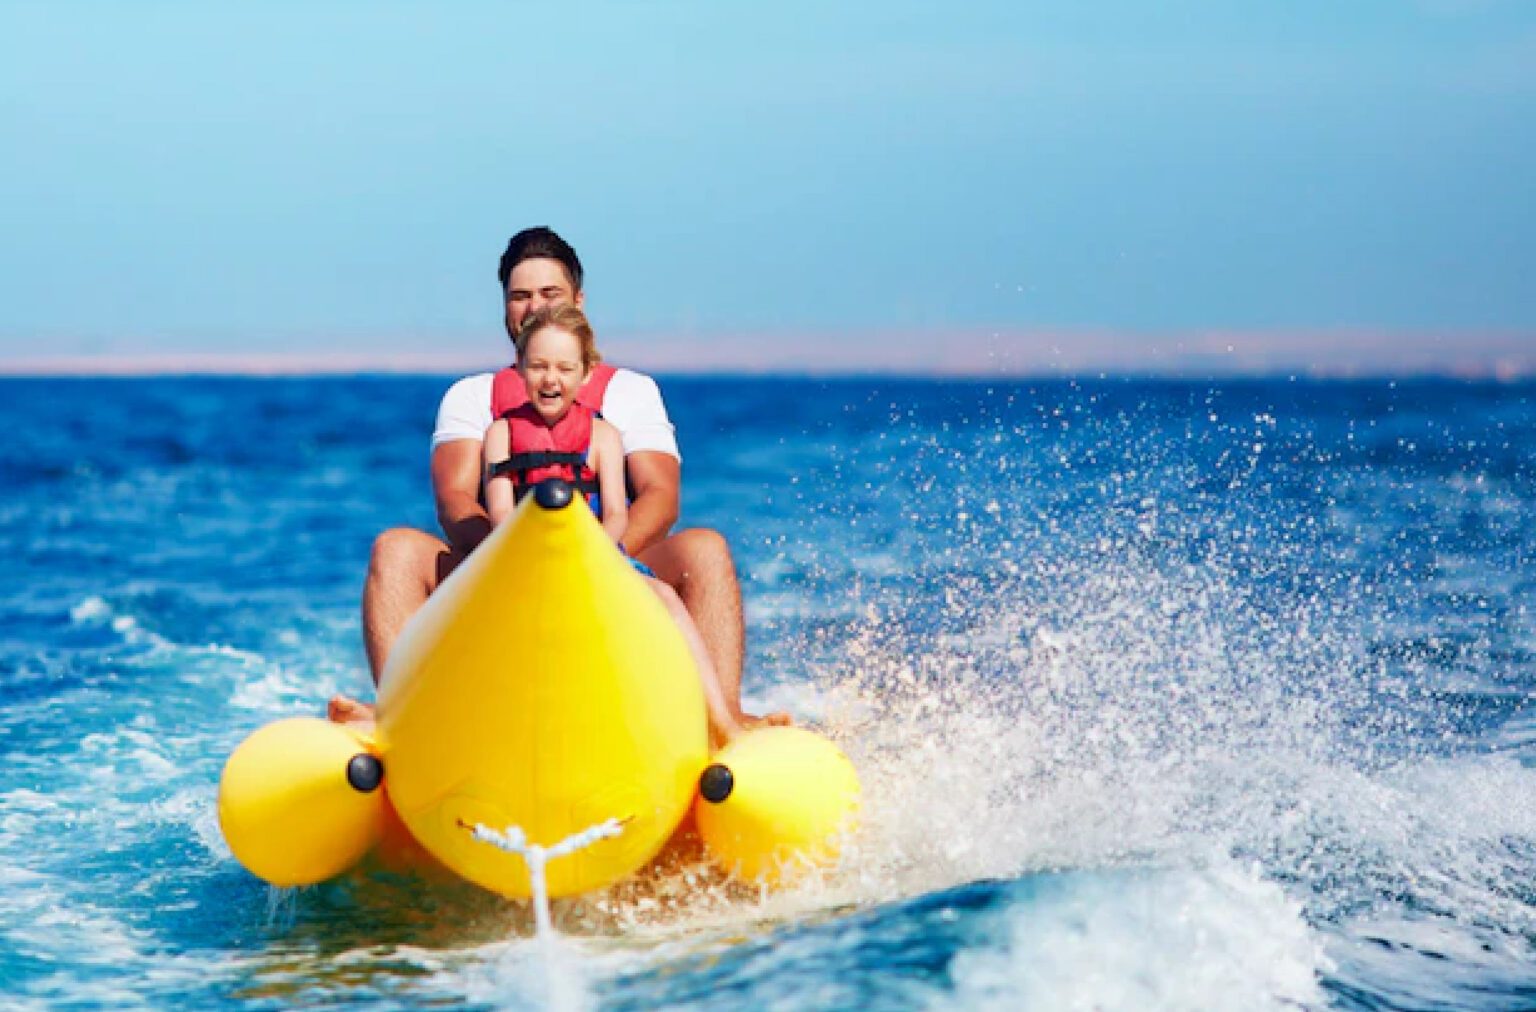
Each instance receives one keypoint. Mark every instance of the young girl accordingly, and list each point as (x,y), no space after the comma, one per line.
(555,354)
(558,438)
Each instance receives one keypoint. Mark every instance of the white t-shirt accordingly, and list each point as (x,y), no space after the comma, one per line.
(632,404)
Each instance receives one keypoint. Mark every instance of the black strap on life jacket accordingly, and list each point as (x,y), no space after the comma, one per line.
(519,464)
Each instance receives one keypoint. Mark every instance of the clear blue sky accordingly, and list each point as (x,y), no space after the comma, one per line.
(283,178)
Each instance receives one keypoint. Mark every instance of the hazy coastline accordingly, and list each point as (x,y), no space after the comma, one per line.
(1316,354)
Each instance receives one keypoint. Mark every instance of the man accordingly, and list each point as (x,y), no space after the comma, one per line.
(541,269)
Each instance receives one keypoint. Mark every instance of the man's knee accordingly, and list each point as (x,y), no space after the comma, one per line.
(703,550)
(690,559)
(403,554)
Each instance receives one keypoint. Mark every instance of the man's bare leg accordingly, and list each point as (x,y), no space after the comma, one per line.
(341,709)
(406,567)
(697,564)
(404,570)
(723,716)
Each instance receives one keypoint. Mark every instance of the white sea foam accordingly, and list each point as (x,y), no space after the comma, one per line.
(46,915)
(282,690)
(1207,938)
(1427,962)
(1148,719)
(92,609)
(195,809)
(542,973)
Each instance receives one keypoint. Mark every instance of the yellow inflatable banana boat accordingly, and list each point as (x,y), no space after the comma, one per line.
(542,694)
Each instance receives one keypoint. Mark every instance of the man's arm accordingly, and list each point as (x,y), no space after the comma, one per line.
(655,478)
(456,468)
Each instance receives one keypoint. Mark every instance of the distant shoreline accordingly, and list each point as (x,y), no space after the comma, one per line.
(1505,357)
(14,372)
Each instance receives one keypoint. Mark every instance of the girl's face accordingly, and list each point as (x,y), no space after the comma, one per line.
(552,368)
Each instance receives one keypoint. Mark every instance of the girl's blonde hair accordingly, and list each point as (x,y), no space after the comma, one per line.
(567,318)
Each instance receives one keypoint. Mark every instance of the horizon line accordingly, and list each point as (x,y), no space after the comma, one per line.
(300,366)
(1323,353)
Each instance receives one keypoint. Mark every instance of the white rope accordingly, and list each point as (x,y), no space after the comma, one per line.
(514,841)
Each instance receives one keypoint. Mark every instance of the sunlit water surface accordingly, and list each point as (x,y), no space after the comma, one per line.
(1165,695)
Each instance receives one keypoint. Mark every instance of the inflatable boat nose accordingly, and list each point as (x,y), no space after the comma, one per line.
(552,494)
(543,686)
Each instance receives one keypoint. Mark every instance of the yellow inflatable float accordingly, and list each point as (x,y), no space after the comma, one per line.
(542,696)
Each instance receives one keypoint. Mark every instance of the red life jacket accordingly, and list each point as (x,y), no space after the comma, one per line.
(541,451)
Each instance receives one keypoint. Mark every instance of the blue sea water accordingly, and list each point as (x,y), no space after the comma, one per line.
(1165,694)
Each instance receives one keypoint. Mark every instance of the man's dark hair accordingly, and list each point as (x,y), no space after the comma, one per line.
(539,243)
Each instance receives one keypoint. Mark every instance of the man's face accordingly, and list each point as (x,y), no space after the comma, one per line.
(533,285)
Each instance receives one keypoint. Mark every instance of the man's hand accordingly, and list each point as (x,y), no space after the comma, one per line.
(654,477)
(456,470)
